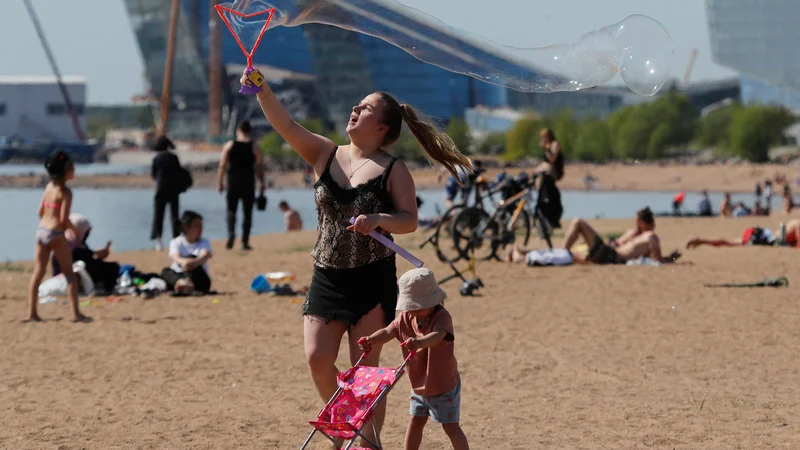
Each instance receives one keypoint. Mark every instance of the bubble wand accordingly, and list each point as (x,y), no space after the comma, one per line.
(392,245)
(254,77)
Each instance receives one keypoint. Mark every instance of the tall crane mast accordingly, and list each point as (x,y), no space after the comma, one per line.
(67,101)
(689,68)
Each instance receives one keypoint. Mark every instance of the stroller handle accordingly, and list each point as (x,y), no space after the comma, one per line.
(411,353)
(366,352)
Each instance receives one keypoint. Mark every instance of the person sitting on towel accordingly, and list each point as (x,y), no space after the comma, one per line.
(635,243)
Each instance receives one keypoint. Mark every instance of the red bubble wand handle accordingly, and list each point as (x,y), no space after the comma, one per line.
(256,79)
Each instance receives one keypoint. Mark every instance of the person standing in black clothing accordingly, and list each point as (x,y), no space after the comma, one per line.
(241,162)
(166,172)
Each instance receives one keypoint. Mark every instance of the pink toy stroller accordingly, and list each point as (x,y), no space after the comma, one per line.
(352,407)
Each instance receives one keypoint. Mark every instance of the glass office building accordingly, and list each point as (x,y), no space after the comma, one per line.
(759,39)
(344,65)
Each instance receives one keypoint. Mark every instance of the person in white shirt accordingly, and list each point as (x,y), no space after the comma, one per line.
(190,253)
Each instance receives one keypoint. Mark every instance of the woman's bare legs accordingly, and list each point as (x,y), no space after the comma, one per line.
(39,268)
(322,348)
(321,340)
(370,323)
(63,254)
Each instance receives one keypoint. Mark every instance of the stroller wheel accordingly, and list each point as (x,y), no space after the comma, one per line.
(468,288)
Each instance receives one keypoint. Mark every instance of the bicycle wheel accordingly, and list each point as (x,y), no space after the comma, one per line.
(445,250)
(473,227)
(500,235)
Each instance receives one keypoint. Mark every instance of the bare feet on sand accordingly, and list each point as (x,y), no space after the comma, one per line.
(80,318)
(513,254)
(32,319)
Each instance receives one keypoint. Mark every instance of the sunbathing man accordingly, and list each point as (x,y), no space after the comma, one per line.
(636,242)
(754,236)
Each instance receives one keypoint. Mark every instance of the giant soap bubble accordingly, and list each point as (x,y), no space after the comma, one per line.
(637,47)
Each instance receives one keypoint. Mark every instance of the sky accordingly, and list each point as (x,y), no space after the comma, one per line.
(93,38)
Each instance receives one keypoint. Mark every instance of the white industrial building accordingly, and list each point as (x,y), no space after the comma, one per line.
(32,107)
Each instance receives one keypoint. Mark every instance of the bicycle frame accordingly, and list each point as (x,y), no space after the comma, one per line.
(524,198)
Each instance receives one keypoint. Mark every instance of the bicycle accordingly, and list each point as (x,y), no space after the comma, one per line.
(511,222)
(474,187)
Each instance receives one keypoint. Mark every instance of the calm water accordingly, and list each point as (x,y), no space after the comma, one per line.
(124,215)
(83,169)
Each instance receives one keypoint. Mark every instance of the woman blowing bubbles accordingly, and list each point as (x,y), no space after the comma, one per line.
(354,285)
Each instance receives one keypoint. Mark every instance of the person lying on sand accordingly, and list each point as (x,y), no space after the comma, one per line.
(635,243)
(754,236)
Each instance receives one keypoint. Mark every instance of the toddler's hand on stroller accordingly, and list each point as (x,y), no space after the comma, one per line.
(411,344)
(365,344)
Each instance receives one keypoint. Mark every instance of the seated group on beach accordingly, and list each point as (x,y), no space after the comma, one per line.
(62,238)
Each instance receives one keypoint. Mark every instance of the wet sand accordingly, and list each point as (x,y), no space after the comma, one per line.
(582,357)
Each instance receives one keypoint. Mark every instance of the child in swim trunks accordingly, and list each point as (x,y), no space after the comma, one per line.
(424,326)
(54,214)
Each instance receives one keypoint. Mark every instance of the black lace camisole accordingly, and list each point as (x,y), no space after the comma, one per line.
(337,247)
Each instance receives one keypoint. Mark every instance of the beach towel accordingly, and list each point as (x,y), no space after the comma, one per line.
(549,257)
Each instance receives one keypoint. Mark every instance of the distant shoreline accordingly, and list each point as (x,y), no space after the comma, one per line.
(740,178)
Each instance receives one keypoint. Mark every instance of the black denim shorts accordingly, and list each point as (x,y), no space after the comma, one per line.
(347,295)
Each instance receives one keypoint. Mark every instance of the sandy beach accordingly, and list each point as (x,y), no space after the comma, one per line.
(582,357)
(610,177)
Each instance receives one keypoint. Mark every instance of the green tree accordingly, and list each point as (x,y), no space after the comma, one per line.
(673,119)
(272,145)
(615,123)
(491,142)
(458,130)
(565,128)
(648,130)
(632,136)
(593,141)
(315,126)
(337,138)
(754,129)
(522,139)
(714,129)
(408,149)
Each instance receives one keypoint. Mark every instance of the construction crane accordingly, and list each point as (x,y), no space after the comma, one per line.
(166,97)
(216,73)
(70,107)
(689,68)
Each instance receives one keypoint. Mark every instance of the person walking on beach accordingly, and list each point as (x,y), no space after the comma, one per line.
(50,237)
(354,285)
(291,218)
(166,171)
(240,164)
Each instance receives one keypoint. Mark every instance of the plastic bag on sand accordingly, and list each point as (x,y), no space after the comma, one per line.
(155,284)
(57,286)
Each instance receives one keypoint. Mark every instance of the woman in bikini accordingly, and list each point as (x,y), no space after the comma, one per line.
(354,285)
(54,215)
